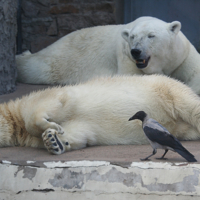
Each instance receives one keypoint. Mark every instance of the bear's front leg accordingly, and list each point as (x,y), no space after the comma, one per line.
(53,142)
(44,124)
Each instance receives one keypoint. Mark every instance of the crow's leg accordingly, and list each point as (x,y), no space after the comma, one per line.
(147,158)
(162,158)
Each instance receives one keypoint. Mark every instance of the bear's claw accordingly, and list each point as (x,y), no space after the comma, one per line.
(52,142)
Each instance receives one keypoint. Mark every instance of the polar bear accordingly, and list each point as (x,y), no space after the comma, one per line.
(161,48)
(144,46)
(97,113)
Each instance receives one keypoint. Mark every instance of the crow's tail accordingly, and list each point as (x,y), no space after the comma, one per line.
(187,155)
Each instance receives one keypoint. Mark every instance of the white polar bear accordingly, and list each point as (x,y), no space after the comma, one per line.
(161,48)
(97,113)
(146,45)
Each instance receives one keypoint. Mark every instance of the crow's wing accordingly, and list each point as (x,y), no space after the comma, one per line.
(160,136)
(157,133)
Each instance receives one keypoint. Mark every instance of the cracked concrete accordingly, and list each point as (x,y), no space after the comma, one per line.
(95,196)
(108,180)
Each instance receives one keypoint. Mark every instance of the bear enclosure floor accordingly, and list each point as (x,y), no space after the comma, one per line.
(122,155)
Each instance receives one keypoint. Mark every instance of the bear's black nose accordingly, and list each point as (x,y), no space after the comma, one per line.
(135,53)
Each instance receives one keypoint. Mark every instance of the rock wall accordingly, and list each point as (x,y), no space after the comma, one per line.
(8,31)
(45,21)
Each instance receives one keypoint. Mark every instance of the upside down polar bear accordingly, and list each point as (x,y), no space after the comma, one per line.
(144,46)
(97,113)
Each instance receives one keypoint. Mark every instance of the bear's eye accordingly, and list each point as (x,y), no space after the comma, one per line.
(132,37)
(151,36)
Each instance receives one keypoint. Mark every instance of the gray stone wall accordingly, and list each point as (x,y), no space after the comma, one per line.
(45,21)
(8,31)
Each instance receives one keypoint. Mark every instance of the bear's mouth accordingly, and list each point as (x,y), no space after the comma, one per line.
(142,63)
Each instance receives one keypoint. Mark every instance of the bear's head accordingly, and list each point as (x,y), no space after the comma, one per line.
(155,45)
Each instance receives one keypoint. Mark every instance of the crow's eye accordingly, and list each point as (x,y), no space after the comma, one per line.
(151,36)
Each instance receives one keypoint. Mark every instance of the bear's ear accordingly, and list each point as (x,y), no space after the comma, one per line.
(125,34)
(175,27)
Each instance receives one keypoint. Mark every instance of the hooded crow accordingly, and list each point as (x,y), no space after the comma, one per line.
(160,138)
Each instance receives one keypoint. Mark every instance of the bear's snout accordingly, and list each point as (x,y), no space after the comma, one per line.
(135,53)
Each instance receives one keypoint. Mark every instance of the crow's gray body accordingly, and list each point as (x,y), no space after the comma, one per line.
(160,138)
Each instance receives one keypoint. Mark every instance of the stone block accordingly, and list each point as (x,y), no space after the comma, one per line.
(63,9)
(63,32)
(100,7)
(100,18)
(53,2)
(44,2)
(66,1)
(72,22)
(41,42)
(29,9)
(53,30)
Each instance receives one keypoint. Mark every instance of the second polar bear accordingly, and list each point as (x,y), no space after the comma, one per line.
(97,113)
(145,46)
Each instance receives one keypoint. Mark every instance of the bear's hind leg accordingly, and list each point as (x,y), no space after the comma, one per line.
(187,108)
(32,141)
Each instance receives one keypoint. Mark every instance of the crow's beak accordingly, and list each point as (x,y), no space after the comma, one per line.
(132,118)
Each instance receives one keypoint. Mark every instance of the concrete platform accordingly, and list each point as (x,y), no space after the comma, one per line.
(109,172)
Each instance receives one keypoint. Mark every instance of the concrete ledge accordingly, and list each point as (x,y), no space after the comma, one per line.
(100,179)
(95,196)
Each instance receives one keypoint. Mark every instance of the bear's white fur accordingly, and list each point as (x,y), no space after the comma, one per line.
(101,51)
(97,113)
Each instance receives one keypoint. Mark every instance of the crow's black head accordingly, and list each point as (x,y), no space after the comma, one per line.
(139,115)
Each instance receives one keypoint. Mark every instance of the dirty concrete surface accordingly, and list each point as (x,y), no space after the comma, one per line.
(109,172)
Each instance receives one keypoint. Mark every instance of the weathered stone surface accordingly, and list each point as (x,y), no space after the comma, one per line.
(87,195)
(66,1)
(44,2)
(30,9)
(53,30)
(41,42)
(63,9)
(98,179)
(100,7)
(73,22)
(8,32)
(57,18)
(53,2)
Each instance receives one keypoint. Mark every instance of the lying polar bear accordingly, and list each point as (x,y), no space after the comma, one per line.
(146,45)
(97,113)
